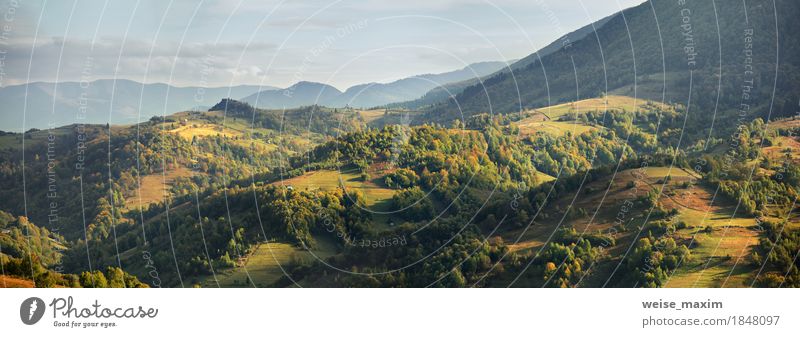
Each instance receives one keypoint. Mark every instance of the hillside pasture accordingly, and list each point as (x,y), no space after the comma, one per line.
(267,263)
(379,118)
(719,258)
(154,187)
(607,103)
(783,148)
(782,124)
(544,177)
(608,201)
(663,172)
(720,242)
(34,138)
(13,282)
(370,116)
(532,125)
(328,180)
(239,131)
(202,130)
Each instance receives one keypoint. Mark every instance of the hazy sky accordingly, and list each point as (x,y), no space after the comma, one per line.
(223,42)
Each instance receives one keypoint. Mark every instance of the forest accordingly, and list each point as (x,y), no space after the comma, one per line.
(457,199)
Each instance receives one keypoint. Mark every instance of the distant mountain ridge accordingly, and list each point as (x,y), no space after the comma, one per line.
(368,94)
(43,104)
(299,94)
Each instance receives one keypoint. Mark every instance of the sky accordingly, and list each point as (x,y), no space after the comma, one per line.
(218,43)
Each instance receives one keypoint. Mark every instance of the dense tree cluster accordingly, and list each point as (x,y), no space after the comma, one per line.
(653,259)
(777,254)
(20,238)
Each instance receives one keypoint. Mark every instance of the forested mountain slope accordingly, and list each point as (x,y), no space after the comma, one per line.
(733,55)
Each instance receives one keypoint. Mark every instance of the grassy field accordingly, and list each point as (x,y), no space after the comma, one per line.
(628,185)
(370,116)
(531,126)
(544,177)
(329,180)
(266,264)
(788,123)
(153,187)
(202,130)
(378,198)
(201,125)
(718,217)
(609,203)
(718,239)
(714,255)
(720,242)
(14,141)
(378,118)
(13,282)
(720,254)
(239,131)
(609,103)
(783,148)
(674,172)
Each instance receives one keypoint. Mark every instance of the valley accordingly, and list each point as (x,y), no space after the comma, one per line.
(594,173)
(397,181)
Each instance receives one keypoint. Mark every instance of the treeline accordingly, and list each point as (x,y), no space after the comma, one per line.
(32,269)
(776,256)
(447,253)
(760,185)
(21,238)
(232,221)
(31,252)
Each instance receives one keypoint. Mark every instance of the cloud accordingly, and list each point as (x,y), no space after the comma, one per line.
(108,58)
(155,54)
